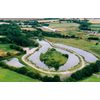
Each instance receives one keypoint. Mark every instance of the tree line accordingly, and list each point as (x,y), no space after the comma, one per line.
(87,71)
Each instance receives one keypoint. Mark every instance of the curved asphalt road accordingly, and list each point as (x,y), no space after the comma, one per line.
(24,59)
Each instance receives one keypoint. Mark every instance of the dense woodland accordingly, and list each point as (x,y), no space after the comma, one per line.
(13,34)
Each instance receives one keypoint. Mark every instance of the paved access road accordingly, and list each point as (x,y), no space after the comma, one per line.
(59,48)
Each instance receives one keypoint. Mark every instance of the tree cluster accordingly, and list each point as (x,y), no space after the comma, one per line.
(14,35)
(85,72)
(93,38)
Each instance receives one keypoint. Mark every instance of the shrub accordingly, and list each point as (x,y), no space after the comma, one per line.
(93,38)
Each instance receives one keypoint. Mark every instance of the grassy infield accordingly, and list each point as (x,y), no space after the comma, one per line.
(7,75)
(53,58)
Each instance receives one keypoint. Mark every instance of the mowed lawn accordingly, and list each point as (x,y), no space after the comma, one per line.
(79,43)
(11,76)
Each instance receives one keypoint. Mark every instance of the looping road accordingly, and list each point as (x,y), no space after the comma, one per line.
(29,52)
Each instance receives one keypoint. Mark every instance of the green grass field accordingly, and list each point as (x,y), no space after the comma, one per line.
(79,43)
(95,27)
(92,79)
(10,76)
(53,58)
(64,27)
(5,47)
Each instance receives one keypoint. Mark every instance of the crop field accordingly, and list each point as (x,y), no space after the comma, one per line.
(64,26)
(95,21)
(95,26)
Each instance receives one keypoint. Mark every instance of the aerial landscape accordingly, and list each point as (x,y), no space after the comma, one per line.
(49,49)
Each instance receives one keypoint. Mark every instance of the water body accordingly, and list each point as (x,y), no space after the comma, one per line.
(35,58)
(87,56)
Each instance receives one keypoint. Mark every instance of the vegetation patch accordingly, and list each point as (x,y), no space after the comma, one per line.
(92,78)
(30,73)
(96,49)
(6,47)
(7,75)
(54,58)
(64,26)
(85,72)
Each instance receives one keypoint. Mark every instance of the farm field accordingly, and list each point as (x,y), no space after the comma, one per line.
(95,20)
(95,26)
(64,27)
(10,76)
(47,21)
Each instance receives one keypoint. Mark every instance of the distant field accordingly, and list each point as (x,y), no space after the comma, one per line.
(64,26)
(30,29)
(10,76)
(82,44)
(47,21)
(95,27)
(96,21)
